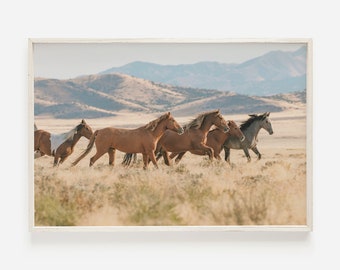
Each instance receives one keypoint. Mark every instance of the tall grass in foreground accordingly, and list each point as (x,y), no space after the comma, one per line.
(195,192)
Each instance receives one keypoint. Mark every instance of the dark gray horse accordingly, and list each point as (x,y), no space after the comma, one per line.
(250,129)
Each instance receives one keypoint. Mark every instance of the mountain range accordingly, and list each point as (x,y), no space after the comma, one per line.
(103,95)
(269,74)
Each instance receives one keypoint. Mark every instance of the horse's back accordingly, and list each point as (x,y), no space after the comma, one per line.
(170,137)
(234,143)
(125,140)
(42,141)
(41,135)
(174,142)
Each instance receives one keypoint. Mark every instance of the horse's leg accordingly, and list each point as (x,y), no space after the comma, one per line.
(145,161)
(38,154)
(96,156)
(226,154)
(158,151)
(207,150)
(166,157)
(56,158)
(62,159)
(217,151)
(179,157)
(159,155)
(210,152)
(173,154)
(246,152)
(151,156)
(111,153)
(217,156)
(256,151)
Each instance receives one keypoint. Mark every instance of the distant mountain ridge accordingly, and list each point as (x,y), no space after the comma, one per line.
(103,95)
(272,73)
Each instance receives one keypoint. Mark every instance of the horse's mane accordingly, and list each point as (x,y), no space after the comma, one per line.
(70,134)
(197,122)
(253,117)
(153,124)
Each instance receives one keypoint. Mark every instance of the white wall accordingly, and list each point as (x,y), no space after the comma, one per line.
(20,20)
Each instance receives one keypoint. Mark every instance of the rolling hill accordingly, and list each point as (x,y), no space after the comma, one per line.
(103,95)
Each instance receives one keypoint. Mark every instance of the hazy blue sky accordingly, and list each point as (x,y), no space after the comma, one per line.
(68,60)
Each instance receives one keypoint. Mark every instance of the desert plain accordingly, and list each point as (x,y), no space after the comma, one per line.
(196,192)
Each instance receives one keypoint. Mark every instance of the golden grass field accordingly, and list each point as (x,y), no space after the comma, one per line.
(271,191)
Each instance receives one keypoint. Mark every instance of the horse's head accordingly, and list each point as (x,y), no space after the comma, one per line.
(234,130)
(218,120)
(266,124)
(83,129)
(172,124)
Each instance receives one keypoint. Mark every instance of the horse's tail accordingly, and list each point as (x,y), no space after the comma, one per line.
(88,149)
(127,159)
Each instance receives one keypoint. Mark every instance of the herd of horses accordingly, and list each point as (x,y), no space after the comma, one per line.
(207,134)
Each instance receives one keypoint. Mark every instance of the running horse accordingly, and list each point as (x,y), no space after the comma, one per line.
(215,139)
(250,129)
(59,145)
(193,138)
(141,140)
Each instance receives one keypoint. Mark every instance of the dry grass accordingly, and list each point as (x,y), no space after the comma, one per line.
(271,191)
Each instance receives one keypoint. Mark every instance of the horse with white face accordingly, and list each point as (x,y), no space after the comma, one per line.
(59,145)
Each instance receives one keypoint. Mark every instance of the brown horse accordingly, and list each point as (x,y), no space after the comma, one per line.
(194,136)
(141,140)
(215,139)
(59,145)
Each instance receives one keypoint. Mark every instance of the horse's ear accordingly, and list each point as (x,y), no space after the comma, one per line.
(83,121)
(268,113)
(168,114)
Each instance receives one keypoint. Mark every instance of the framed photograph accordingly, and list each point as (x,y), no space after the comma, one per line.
(170,135)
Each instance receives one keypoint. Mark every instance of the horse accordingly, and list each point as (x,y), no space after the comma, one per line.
(194,136)
(215,139)
(250,129)
(59,145)
(140,140)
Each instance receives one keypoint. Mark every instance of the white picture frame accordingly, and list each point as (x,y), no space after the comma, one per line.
(308,158)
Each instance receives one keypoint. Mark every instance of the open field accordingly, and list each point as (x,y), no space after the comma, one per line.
(271,191)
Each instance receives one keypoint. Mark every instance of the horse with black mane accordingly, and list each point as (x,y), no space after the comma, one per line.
(250,129)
